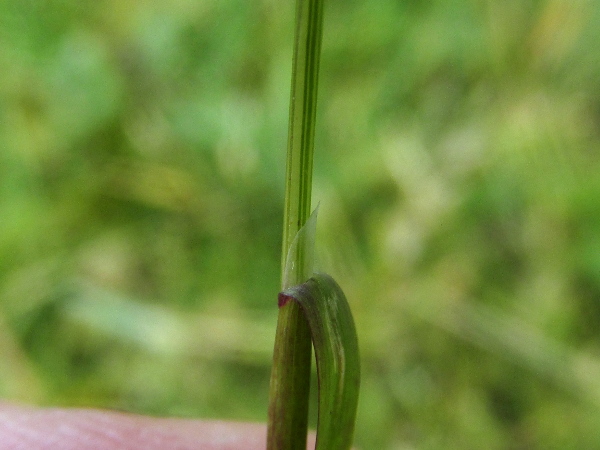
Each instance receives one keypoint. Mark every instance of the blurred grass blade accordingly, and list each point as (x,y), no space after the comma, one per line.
(336,350)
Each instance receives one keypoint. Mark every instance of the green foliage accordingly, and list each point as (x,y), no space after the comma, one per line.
(457,159)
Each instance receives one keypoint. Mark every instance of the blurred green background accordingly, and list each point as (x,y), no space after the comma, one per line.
(458,170)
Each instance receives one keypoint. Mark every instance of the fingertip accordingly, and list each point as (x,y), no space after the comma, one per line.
(30,428)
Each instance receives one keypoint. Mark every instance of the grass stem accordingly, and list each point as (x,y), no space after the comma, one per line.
(290,377)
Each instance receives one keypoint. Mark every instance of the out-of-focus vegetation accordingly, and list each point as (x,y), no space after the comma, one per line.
(458,170)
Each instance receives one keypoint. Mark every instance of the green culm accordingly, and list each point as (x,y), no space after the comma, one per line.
(311,306)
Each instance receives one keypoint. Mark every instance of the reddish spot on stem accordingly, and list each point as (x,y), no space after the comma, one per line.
(282,299)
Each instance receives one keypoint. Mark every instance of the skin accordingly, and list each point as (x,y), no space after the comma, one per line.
(31,428)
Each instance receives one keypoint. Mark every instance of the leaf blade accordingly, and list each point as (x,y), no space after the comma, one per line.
(338,361)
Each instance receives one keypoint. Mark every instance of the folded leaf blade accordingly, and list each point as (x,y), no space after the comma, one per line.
(336,351)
